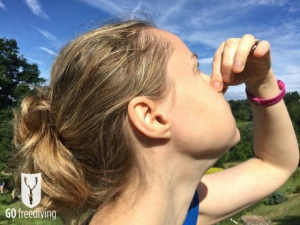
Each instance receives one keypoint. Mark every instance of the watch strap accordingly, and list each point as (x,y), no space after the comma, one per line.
(270,101)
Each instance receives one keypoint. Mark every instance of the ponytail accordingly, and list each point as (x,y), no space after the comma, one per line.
(41,151)
(77,133)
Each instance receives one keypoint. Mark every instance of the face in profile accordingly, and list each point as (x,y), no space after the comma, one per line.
(201,118)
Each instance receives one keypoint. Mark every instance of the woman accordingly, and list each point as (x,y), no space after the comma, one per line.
(129,126)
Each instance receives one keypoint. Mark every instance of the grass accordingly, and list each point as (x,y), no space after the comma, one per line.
(286,213)
(241,124)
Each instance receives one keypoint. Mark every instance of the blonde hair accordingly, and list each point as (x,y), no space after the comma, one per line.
(76,132)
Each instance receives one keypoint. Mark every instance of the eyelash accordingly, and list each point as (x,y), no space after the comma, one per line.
(198,66)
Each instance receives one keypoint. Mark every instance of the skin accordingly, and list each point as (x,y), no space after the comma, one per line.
(181,137)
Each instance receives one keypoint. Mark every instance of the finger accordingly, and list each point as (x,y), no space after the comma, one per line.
(225,88)
(216,79)
(228,58)
(262,48)
(243,50)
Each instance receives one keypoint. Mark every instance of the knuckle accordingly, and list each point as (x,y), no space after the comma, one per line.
(226,64)
(231,42)
(248,36)
(241,54)
(216,60)
(266,44)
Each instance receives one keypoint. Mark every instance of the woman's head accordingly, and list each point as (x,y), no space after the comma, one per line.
(76,132)
(199,114)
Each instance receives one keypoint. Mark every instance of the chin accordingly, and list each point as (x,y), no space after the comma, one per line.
(237,137)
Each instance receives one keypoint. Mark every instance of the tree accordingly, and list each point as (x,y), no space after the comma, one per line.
(6,135)
(16,74)
(241,110)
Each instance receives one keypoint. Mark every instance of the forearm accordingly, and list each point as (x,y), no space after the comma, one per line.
(274,137)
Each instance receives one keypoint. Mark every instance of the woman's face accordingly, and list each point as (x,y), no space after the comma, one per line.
(202,121)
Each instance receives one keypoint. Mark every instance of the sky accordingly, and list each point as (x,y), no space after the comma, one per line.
(42,27)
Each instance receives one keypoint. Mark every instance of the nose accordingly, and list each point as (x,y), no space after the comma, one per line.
(207,79)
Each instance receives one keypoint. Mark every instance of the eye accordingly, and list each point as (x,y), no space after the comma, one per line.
(198,66)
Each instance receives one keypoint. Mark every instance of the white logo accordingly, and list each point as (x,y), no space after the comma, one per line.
(31,189)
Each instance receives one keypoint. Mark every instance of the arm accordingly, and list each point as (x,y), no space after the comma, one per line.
(275,145)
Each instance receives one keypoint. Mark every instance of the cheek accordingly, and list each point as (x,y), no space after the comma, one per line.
(201,118)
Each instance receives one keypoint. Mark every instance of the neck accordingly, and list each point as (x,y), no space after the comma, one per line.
(165,197)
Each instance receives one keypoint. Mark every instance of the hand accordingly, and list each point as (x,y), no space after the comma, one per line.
(235,62)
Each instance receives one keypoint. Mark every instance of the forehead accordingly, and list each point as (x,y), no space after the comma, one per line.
(176,43)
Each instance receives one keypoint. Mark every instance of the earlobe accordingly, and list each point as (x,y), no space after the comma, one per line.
(146,117)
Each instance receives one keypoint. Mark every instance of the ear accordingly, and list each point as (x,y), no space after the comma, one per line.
(144,114)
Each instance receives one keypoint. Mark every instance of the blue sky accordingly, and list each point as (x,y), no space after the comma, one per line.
(42,27)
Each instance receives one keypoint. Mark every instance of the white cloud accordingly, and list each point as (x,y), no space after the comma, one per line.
(206,60)
(105,5)
(48,51)
(173,9)
(267,2)
(204,25)
(214,23)
(2,6)
(36,8)
(45,33)
(208,38)
(34,61)
(137,8)
(235,95)
(293,9)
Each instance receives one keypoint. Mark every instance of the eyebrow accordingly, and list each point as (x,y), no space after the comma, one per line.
(194,55)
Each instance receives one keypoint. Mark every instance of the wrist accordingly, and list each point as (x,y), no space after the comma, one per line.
(265,88)
(268,101)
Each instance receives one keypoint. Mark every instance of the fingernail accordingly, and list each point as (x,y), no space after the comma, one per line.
(238,65)
(217,85)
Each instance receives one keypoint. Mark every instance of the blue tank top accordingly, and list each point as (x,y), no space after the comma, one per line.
(192,216)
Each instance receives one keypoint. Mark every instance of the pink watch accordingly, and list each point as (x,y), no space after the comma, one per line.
(270,101)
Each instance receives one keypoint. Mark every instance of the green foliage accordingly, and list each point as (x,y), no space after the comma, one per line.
(292,100)
(17,77)
(244,149)
(16,74)
(296,175)
(276,198)
(241,110)
(9,182)
(296,190)
(290,190)
(214,170)
(6,116)
(221,162)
